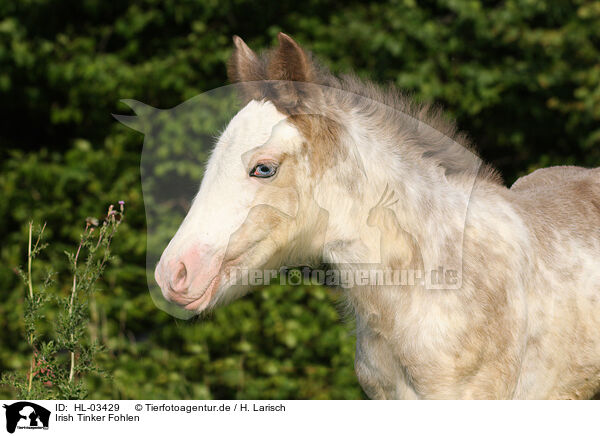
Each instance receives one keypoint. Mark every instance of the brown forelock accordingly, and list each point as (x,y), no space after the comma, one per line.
(321,141)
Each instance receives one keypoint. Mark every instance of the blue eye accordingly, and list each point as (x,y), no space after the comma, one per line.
(263,170)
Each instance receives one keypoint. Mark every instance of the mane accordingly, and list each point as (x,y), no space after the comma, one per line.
(420,129)
(413,128)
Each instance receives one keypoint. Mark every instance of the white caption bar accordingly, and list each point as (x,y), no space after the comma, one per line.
(299,417)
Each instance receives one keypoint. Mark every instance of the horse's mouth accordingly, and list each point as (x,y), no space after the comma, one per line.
(203,301)
(200,303)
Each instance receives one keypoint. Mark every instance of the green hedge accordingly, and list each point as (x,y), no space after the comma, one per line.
(522,77)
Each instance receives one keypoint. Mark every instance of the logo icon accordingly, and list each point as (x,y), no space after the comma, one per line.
(26,415)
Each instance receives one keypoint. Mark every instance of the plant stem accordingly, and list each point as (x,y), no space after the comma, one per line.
(30,283)
(31,252)
(73,291)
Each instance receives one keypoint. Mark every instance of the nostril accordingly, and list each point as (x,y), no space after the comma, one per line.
(179,278)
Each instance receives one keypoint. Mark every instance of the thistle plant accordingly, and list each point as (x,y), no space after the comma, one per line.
(61,360)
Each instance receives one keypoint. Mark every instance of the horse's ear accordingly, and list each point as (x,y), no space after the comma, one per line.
(244,65)
(289,62)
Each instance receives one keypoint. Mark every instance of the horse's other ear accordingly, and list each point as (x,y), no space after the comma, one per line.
(130,121)
(289,62)
(244,65)
(142,111)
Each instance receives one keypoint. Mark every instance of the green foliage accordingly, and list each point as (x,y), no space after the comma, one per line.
(50,376)
(520,76)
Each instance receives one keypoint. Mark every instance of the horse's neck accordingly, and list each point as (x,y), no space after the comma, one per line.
(405,214)
(418,240)
(418,222)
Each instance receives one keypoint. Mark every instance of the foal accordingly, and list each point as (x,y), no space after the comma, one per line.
(505,301)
